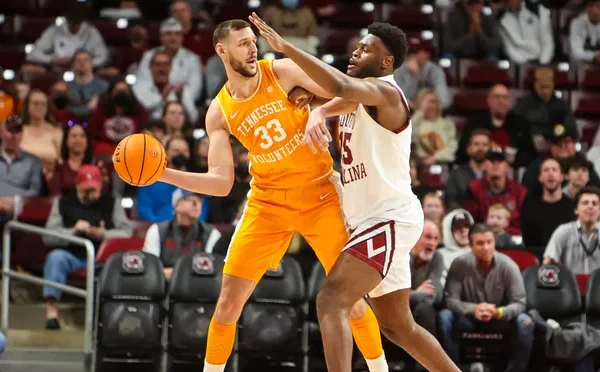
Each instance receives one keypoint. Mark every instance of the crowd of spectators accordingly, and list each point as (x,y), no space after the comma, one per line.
(517,173)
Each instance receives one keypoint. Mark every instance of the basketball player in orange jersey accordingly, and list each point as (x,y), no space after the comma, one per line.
(292,189)
(384,215)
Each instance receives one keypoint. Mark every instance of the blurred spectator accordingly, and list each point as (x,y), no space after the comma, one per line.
(426,268)
(418,72)
(181,11)
(460,177)
(20,171)
(180,235)
(186,65)
(59,103)
(434,208)
(200,154)
(40,136)
(577,175)
(297,24)
(434,136)
(156,129)
(485,292)
(584,34)
(538,112)
(495,187)
(526,31)
(154,92)
(175,122)
(498,218)
(85,90)
(455,229)
(541,215)
(215,76)
(155,203)
(469,33)
(87,212)
(76,151)
(224,209)
(498,120)
(117,116)
(418,187)
(562,147)
(575,244)
(57,45)
(7,102)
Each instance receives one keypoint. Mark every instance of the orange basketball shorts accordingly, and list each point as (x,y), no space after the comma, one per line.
(270,218)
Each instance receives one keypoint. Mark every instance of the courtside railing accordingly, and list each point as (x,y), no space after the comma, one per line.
(8,274)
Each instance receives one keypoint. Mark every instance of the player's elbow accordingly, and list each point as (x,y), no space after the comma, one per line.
(226,179)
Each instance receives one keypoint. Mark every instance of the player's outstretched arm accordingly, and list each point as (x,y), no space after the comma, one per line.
(220,176)
(368,91)
(317,133)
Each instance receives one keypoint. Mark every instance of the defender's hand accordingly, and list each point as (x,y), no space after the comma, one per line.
(274,39)
(317,133)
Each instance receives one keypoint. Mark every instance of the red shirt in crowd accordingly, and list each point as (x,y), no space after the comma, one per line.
(480,198)
(108,132)
(62,180)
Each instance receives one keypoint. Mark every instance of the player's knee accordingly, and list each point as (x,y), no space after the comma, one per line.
(228,309)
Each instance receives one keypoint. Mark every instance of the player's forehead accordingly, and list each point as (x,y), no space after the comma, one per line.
(238,36)
(370,40)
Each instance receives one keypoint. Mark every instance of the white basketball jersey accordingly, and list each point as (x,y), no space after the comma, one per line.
(375,165)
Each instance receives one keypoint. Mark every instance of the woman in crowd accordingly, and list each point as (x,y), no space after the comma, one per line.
(175,122)
(40,136)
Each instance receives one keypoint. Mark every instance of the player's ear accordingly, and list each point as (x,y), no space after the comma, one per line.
(220,49)
(387,61)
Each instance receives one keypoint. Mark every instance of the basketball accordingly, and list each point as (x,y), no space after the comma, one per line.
(140,159)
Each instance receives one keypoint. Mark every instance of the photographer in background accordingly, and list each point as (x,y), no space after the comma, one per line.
(86,212)
(155,203)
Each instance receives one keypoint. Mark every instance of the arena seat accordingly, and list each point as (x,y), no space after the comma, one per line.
(42,81)
(468,101)
(450,68)
(272,326)
(203,44)
(351,16)
(336,41)
(108,248)
(54,7)
(408,17)
(586,105)
(13,56)
(459,121)
(29,29)
(589,77)
(592,300)
(588,130)
(6,29)
(522,258)
(193,292)
(476,74)
(112,35)
(18,7)
(233,9)
(130,312)
(582,282)
(29,250)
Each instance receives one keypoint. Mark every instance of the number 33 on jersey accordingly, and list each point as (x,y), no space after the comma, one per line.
(272,130)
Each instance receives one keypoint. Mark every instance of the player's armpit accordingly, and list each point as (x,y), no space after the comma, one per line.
(218,181)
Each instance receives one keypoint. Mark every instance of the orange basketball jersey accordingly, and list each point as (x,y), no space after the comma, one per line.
(272,130)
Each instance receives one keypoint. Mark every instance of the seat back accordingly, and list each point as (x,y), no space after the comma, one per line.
(592,295)
(553,291)
(197,278)
(522,258)
(284,285)
(116,245)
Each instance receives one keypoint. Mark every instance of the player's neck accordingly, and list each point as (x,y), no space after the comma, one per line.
(241,87)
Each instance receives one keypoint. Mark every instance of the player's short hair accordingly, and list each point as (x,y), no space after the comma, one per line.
(500,208)
(393,38)
(479,228)
(223,29)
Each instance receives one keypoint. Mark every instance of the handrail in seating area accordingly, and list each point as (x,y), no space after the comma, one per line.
(8,273)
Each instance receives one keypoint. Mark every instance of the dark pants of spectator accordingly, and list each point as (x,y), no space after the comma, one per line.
(451,325)
(59,264)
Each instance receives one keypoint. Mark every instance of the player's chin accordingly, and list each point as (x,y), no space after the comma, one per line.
(352,70)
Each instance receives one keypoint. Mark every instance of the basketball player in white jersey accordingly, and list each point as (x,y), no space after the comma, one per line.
(384,215)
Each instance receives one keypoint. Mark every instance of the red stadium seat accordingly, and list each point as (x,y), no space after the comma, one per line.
(54,7)
(351,16)
(110,247)
(467,101)
(582,280)
(29,250)
(563,80)
(451,70)
(233,9)
(35,209)
(112,35)
(434,176)
(18,7)
(336,42)
(588,130)
(28,30)
(41,81)
(13,56)
(523,259)
(477,74)
(586,105)
(202,44)
(409,17)
(589,77)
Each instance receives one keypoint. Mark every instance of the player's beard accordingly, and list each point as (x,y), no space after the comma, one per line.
(369,70)
(241,69)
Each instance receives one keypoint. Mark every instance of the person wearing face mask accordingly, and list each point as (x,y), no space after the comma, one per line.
(224,209)
(156,203)
(87,212)
(427,269)
(117,116)
(295,22)
(59,104)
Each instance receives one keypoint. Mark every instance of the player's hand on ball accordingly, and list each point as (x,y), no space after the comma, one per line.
(317,133)
(273,38)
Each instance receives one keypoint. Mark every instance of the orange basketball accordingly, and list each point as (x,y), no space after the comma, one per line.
(140,159)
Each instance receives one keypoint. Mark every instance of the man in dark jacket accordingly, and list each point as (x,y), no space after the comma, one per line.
(89,213)
(537,113)
(562,147)
(169,240)
(495,187)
